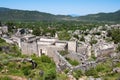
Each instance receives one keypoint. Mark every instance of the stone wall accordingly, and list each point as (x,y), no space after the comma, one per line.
(29,48)
(85,66)
(61,61)
(72,46)
(4,29)
(76,56)
(17,40)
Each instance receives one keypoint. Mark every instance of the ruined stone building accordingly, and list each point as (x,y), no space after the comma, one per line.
(102,48)
(30,44)
(3,30)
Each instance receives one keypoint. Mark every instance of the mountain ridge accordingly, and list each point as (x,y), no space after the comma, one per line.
(112,16)
(7,14)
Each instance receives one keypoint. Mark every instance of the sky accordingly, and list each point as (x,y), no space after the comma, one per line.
(64,7)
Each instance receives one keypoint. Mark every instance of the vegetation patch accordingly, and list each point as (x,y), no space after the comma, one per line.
(64,52)
(72,62)
(5,78)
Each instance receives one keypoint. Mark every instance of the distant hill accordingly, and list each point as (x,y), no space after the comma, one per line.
(7,14)
(114,16)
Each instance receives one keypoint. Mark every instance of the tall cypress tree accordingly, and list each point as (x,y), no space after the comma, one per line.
(0,23)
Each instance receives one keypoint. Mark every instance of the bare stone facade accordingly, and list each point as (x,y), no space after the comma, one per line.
(72,46)
(4,29)
(102,48)
(30,44)
(29,47)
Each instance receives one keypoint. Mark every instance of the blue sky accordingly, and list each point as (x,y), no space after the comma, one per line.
(80,7)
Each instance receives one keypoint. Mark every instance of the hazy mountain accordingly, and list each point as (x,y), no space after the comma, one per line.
(74,15)
(7,14)
(114,16)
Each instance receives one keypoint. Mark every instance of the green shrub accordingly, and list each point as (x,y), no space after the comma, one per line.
(115,34)
(64,35)
(15,51)
(92,72)
(12,64)
(5,62)
(72,62)
(64,52)
(2,40)
(118,48)
(62,76)
(36,31)
(97,33)
(45,59)
(76,36)
(66,71)
(5,78)
(26,71)
(82,39)
(77,74)
(93,57)
(93,42)
(50,75)
(100,68)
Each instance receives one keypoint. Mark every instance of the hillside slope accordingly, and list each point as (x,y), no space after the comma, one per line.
(7,14)
(115,16)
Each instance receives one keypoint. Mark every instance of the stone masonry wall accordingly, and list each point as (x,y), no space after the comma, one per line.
(29,48)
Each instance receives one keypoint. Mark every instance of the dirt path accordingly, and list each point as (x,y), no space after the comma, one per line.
(15,77)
